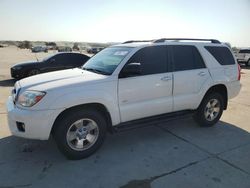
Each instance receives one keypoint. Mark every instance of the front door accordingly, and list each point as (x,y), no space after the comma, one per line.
(148,93)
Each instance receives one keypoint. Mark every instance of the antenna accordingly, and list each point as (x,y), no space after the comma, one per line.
(36,58)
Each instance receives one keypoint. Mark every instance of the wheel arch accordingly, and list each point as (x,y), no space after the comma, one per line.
(219,88)
(97,106)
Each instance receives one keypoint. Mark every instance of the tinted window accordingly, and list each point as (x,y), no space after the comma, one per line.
(221,54)
(63,58)
(84,57)
(244,51)
(186,58)
(73,59)
(79,59)
(152,60)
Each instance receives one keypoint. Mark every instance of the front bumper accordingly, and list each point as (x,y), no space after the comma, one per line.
(38,124)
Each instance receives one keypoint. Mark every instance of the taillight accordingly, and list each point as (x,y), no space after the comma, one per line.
(239,69)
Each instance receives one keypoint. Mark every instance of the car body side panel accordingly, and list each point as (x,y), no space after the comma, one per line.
(106,94)
(189,88)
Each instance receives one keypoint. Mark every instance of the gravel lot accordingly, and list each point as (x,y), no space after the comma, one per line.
(174,154)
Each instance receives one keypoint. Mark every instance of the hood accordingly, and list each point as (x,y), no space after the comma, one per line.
(59,79)
(26,63)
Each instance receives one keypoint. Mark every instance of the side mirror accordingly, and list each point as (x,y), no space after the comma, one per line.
(130,70)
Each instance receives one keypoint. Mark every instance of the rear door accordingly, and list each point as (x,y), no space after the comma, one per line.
(150,92)
(189,73)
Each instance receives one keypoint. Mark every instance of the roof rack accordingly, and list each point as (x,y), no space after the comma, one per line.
(178,39)
(131,41)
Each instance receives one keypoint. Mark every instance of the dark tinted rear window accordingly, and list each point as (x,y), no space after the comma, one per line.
(245,51)
(81,57)
(186,58)
(221,54)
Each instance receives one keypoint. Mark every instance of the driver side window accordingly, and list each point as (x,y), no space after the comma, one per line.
(146,61)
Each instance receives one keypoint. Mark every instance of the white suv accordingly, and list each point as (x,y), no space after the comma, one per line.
(243,56)
(124,85)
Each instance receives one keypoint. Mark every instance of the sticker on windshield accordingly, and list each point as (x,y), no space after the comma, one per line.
(120,53)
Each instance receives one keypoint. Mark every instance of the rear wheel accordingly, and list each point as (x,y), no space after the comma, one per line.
(80,133)
(210,110)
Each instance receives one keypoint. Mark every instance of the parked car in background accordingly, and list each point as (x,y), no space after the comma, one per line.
(51,45)
(243,56)
(64,49)
(37,49)
(94,50)
(123,86)
(55,62)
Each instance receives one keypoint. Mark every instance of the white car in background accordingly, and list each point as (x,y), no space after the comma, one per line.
(37,49)
(243,56)
(122,86)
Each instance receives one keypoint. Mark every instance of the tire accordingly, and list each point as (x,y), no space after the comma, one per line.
(33,72)
(247,63)
(208,117)
(80,145)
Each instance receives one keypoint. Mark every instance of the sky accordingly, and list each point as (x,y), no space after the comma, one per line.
(118,21)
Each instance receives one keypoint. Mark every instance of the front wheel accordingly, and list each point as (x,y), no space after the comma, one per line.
(80,133)
(210,110)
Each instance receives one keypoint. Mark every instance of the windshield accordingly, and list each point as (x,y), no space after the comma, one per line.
(106,61)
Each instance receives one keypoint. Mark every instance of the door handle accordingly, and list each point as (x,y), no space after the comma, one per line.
(166,78)
(201,73)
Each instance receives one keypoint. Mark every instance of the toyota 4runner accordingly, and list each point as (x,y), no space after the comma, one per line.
(125,84)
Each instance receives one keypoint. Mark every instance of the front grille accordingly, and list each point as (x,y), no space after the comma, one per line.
(20,126)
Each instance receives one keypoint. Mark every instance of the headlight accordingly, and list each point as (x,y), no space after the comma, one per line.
(30,98)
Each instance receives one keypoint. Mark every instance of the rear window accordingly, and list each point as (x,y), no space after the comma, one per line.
(221,54)
(245,51)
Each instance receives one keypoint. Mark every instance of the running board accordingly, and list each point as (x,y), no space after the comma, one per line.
(151,121)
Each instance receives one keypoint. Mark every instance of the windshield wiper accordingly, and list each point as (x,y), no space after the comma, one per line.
(96,71)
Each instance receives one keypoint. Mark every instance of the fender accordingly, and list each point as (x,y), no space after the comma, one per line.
(80,97)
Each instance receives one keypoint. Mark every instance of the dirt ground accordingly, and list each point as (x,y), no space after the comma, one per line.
(174,154)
